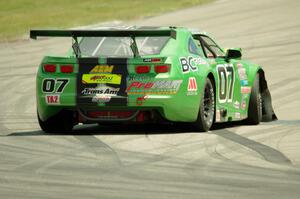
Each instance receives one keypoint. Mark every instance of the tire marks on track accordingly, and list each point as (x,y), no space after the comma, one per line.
(268,153)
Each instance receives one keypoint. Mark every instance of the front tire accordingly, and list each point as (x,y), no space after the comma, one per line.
(255,104)
(60,123)
(207,108)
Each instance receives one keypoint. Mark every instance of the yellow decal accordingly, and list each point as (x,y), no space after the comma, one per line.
(101,79)
(102,69)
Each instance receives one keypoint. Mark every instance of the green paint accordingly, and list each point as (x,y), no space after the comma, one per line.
(180,106)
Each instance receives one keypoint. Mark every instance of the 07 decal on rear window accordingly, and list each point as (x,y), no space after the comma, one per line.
(50,85)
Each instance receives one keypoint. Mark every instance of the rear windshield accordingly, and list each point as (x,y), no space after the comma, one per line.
(120,46)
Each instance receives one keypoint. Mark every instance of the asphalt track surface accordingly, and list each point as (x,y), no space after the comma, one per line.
(232,161)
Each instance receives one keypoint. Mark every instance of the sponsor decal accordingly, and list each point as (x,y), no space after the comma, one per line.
(102,69)
(244,82)
(101,79)
(157,87)
(187,64)
(236,105)
(226,79)
(244,101)
(245,89)
(101,99)
(192,86)
(244,105)
(242,74)
(147,60)
(100,90)
(151,59)
(139,78)
(101,94)
(52,99)
(237,115)
(199,61)
(141,100)
(218,116)
(50,85)
(101,83)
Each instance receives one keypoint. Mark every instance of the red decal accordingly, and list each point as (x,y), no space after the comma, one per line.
(147,85)
(245,90)
(192,84)
(134,84)
(52,99)
(140,100)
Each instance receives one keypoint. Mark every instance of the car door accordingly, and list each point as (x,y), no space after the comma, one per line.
(227,84)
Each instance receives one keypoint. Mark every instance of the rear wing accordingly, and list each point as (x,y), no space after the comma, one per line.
(101,33)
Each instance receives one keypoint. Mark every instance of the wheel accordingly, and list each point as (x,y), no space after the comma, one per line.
(255,104)
(60,123)
(207,107)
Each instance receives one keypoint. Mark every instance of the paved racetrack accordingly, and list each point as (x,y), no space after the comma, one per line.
(162,161)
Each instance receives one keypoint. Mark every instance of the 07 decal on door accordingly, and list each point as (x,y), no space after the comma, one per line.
(226,78)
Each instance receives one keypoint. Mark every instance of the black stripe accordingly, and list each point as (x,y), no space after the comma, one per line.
(85,66)
(120,67)
(84,101)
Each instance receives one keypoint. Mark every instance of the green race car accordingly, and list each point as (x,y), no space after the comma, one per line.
(150,74)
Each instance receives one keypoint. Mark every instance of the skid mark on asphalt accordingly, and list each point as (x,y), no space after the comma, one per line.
(273,131)
(104,153)
(268,153)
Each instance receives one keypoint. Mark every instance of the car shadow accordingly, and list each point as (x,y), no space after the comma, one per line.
(138,129)
(86,134)
(128,129)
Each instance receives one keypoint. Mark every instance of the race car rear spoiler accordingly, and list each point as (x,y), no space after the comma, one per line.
(101,33)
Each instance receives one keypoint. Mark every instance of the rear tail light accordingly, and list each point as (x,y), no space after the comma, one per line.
(162,68)
(142,69)
(66,68)
(50,68)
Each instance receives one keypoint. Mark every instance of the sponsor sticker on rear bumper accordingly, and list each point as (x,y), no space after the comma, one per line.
(52,99)
(101,79)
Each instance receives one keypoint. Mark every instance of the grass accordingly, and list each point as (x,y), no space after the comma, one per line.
(17,17)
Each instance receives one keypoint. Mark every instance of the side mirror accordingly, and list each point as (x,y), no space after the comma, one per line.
(233,53)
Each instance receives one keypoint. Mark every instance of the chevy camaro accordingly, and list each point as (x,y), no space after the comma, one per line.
(148,74)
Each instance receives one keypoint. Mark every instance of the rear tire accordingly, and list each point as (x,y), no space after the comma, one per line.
(60,123)
(207,108)
(255,104)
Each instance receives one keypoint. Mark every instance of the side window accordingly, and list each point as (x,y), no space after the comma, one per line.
(209,53)
(195,47)
(192,47)
(213,46)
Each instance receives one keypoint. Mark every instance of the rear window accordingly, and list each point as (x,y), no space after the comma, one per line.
(120,46)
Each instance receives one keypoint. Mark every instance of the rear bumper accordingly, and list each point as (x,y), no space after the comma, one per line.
(170,107)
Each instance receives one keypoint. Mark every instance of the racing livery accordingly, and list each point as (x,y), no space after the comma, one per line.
(150,74)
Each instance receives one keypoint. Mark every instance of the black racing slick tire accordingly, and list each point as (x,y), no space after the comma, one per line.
(207,108)
(255,104)
(62,122)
